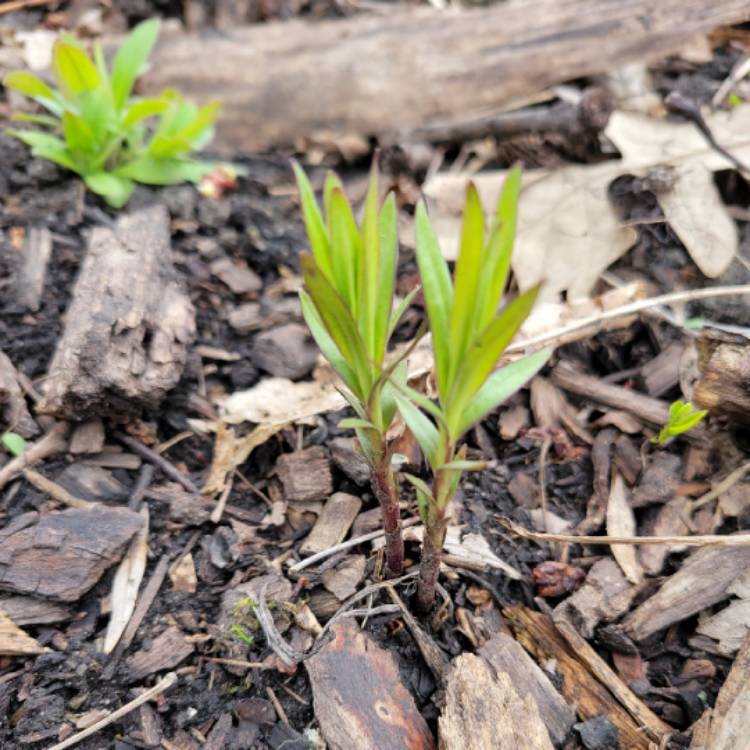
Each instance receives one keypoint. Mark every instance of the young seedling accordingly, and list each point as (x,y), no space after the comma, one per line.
(683,416)
(13,443)
(96,128)
(469,335)
(348,305)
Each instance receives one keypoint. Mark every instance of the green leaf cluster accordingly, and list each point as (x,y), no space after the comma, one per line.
(98,129)
(347,302)
(683,416)
(470,328)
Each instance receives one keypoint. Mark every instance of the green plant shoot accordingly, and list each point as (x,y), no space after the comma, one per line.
(347,302)
(96,128)
(469,334)
(683,416)
(13,443)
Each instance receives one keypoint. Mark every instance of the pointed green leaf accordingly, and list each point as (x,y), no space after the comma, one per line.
(47,146)
(36,89)
(325,343)
(142,109)
(463,465)
(351,423)
(338,322)
(131,58)
(424,496)
(47,120)
(151,171)
(398,313)
(115,190)
(438,293)
(354,402)
(500,386)
(467,276)
(345,247)
(424,431)
(13,443)
(316,229)
(370,268)
(482,356)
(332,183)
(78,134)
(74,72)
(388,404)
(388,245)
(497,256)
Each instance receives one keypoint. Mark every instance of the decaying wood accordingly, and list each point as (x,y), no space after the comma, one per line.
(167,650)
(702,581)
(359,698)
(601,458)
(339,512)
(505,655)
(663,371)
(538,635)
(484,710)
(724,385)
(88,437)
(29,282)
(13,640)
(128,326)
(342,581)
(372,75)
(62,555)
(27,610)
(727,728)
(306,475)
(13,409)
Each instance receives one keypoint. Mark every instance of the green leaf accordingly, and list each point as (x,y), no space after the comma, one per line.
(499,387)
(354,402)
(13,443)
(462,465)
(201,123)
(351,423)
(370,268)
(345,247)
(424,496)
(438,293)
(36,89)
(47,120)
(78,135)
(142,109)
(424,431)
(316,229)
(325,343)
(398,313)
(332,183)
(74,72)
(131,59)
(338,322)
(114,189)
(151,171)
(497,256)
(388,405)
(482,356)
(96,110)
(467,276)
(47,146)
(388,248)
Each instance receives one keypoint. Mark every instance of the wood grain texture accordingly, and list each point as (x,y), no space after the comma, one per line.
(414,68)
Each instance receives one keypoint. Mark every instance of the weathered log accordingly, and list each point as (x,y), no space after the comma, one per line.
(128,326)
(411,69)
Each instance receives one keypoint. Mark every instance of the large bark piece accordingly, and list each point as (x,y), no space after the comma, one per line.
(62,555)
(128,326)
(411,69)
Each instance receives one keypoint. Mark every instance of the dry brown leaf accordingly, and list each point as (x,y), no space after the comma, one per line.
(183,575)
(13,640)
(125,585)
(621,522)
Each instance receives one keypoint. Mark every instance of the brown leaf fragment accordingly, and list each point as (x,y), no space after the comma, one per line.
(14,642)
(483,710)
(342,581)
(360,701)
(305,475)
(166,651)
(61,555)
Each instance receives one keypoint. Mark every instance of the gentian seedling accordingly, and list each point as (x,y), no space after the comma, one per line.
(469,334)
(683,416)
(348,301)
(96,128)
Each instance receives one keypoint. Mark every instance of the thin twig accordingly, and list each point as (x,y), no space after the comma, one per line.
(159,461)
(48,445)
(705,540)
(14,5)
(236,662)
(139,491)
(221,504)
(632,307)
(546,443)
(55,491)
(728,481)
(318,556)
(164,684)
(277,705)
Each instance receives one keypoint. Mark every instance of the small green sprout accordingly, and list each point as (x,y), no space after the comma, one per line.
(248,640)
(469,335)
(348,305)
(683,416)
(97,129)
(13,443)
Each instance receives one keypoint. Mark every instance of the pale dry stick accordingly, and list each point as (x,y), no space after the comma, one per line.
(631,308)
(705,540)
(277,706)
(14,5)
(48,445)
(55,491)
(546,443)
(165,683)
(318,556)
(237,662)
(729,481)
(218,511)
(739,70)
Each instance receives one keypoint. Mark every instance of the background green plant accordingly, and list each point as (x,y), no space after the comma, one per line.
(469,335)
(96,128)
(348,305)
(683,416)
